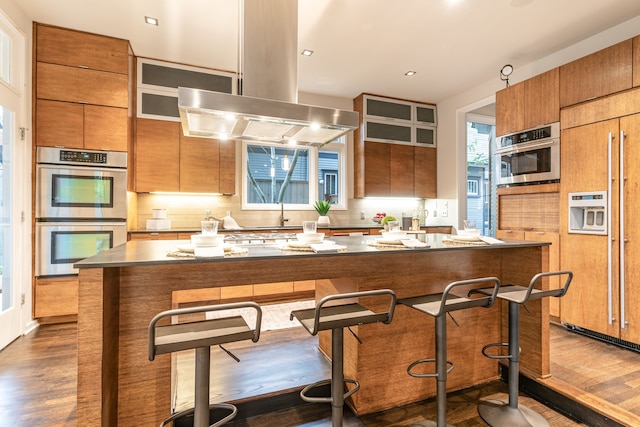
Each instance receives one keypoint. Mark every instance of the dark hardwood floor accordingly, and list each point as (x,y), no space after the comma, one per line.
(38,386)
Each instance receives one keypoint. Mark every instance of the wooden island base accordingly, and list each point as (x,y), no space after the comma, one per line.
(118,385)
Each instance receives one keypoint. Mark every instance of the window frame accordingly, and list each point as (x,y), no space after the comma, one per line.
(314,155)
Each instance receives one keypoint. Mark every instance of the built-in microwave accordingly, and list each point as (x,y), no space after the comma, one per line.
(529,157)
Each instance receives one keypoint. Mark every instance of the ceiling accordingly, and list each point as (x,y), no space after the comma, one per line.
(359,45)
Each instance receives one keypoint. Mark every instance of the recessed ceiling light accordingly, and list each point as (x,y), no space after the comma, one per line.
(151,20)
(307,52)
(409,73)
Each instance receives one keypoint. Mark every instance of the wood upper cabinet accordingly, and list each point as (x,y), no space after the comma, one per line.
(82,85)
(377,175)
(542,95)
(166,160)
(72,125)
(636,61)
(199,164)
(602,73)
(425,166)
(510,109)
(78,49)
(391,168)
(528,104)
(401,161)
(157,156)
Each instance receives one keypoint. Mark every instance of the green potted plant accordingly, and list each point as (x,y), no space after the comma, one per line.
(322,207)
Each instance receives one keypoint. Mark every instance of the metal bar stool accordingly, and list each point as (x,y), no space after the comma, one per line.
(438,305)
(336,318)
(499,412)
(201,335)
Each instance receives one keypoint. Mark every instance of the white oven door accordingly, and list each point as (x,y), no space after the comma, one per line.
(81,192)
(60,245)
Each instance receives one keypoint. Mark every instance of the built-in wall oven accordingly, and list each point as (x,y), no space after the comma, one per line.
(81,206)
(529,157)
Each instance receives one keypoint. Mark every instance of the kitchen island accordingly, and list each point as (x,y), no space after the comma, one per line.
(122,289)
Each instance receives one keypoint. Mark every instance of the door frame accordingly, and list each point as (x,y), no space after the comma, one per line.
(15,96)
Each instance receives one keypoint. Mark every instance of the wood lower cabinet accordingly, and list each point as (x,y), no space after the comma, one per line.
(55,297)
(602,73)
(166,160)
(82,126)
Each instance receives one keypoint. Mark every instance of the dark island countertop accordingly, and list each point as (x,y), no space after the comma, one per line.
(156,252)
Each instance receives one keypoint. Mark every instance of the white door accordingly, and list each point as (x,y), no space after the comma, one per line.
(15,258)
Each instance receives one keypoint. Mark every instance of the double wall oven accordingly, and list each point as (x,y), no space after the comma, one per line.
(529,157)
(81,206)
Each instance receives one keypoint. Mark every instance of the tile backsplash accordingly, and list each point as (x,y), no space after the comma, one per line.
(186,211)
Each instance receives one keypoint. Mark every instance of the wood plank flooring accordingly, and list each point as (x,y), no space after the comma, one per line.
(38,386)
(38,382)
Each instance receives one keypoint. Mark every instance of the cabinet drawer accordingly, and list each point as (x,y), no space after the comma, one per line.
(304,285)
(153,236)
(63,83)
(78,49)
(510,234)
(272,288)
(56,297)
(231,292)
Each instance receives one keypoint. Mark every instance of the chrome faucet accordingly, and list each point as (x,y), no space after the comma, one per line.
(282,218)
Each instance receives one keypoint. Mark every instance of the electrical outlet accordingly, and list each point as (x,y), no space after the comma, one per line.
(361,214)
(445,213)
(435,213)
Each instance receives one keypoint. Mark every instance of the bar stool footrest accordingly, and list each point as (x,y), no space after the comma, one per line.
(329,399)
(498,413)
(421,361)
(176,418)
(494,356)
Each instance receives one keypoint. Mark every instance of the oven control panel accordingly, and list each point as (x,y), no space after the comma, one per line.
(94,157)
(84,158)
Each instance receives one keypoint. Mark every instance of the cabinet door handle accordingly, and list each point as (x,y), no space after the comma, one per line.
(622,240)
(609,234)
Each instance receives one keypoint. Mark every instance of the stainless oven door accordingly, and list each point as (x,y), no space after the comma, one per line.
(61,244)
(531,163)
(81,192)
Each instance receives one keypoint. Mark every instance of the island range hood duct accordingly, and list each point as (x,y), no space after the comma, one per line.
(267,110)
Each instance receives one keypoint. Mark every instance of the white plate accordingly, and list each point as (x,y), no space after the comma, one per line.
(469,233)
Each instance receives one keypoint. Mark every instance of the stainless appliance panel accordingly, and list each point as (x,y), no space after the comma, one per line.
(539,162)
(60,245)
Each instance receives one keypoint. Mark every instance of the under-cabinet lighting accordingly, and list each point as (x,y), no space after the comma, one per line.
(179,193)
(409,73)
(151,20)
(307,52)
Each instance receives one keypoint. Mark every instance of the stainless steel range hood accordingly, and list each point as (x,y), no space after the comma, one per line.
(268,109)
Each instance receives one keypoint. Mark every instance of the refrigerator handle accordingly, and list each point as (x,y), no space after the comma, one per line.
(609,234)
(621,237)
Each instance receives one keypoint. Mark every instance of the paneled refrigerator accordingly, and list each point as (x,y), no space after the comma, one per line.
(604,297)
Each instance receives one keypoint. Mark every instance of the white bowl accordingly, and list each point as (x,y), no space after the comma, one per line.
(206,240)
(394,235)
(469,232)
(310,237)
